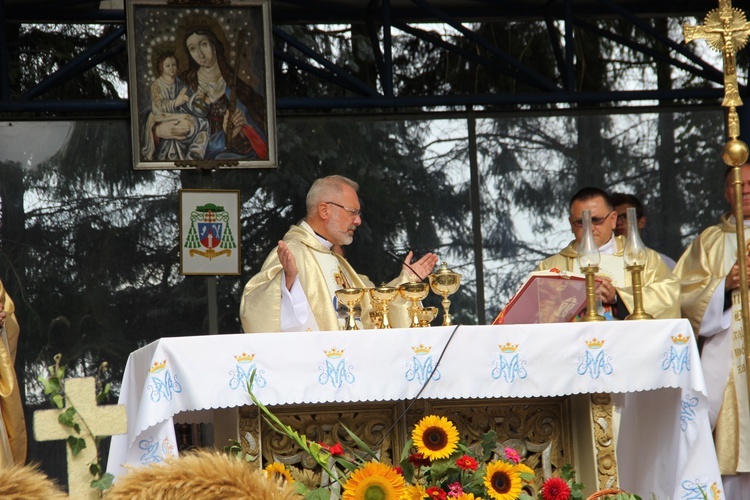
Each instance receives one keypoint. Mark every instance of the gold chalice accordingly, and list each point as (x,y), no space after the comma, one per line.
(445,282)
(426,315)
(350,297)
(382,296)
(414,293)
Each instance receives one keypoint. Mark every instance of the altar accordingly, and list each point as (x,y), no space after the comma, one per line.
(650,368)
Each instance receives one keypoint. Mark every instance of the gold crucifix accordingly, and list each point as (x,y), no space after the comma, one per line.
(726,29)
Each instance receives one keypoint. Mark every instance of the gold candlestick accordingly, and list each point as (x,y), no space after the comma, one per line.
(588,256)
(635,277)
(591,306)
(635,260)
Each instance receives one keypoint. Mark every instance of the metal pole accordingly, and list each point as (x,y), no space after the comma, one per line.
(476,219)
(213,305)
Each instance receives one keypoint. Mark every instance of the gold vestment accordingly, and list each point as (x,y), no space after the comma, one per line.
(10,395)
(702,269)
(661,288)
(260,310)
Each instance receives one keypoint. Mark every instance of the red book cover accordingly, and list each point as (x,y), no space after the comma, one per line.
(545,297)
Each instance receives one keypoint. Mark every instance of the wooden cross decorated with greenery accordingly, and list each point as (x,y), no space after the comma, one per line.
(82,424)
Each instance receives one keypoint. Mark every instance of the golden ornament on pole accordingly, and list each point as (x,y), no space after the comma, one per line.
(726,30)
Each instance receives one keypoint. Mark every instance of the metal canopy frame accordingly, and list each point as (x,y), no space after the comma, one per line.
(381,17)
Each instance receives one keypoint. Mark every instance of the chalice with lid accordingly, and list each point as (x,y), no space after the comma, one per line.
(445,282)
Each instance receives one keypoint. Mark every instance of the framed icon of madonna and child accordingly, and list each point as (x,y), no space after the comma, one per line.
(201,84)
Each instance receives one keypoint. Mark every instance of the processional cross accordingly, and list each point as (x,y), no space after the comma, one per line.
(726,29)
(100,420)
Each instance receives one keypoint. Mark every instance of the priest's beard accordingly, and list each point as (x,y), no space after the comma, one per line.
(334,225)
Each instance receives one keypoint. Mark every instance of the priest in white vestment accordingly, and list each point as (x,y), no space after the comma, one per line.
(661,288)
(12,423)
(711,301)
(294,291)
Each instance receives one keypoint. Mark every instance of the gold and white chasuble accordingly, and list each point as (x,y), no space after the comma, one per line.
(702,269)
(321,273)
(13,443)
(661,288)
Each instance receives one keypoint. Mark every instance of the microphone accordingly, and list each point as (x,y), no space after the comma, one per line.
(401,261)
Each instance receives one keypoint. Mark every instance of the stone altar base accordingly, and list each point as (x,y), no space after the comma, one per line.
(547,432)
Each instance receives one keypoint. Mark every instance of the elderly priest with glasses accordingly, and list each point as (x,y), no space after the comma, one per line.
(661,288)
(295,289)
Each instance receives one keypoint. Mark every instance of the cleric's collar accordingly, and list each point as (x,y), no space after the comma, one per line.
(321,239)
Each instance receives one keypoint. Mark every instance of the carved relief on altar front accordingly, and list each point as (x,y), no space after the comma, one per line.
(601,411)
(323,424)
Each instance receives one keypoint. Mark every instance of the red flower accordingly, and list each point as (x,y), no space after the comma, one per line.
(467,463)
(336,450)
(419,460)
(399,470)
(555,488)
(436,493)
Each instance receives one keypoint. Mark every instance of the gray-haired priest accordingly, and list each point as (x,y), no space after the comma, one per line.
(711,301)
(295,289)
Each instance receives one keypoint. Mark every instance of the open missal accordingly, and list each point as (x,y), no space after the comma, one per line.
(552,296)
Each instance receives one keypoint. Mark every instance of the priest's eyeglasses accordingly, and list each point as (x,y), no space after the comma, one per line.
(351,211)
(597,221)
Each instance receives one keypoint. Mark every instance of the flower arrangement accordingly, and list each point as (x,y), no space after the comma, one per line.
(435,464)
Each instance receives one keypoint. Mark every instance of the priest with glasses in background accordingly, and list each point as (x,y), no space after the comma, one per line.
(661,288)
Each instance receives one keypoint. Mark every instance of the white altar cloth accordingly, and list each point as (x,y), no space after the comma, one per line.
(665,443)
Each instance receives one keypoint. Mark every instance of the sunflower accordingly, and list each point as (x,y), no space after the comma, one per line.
(374,481)
(276,470)
(521,468)
(502,480)
(414,492)
(435,437)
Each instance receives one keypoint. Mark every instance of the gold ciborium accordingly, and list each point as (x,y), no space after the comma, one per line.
(381,296)
(350,297)
(414,293)
(426,315)
(445,282)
